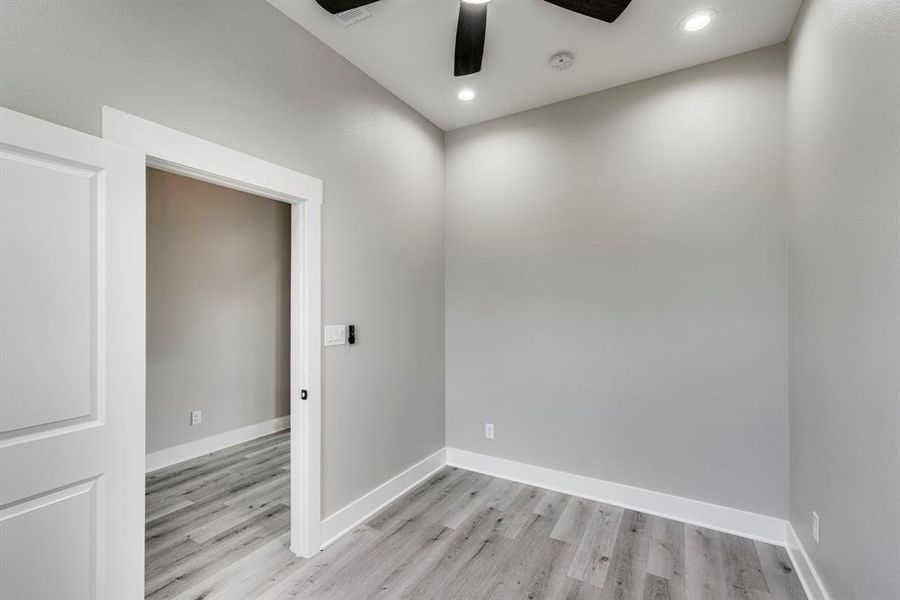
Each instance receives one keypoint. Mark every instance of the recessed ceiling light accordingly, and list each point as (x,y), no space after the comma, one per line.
(698,20)
(466,94)
(476,1)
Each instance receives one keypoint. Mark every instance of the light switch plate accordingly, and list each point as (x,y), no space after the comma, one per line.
(335,335)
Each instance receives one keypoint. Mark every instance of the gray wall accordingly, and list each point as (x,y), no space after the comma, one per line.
(617,284)
(844,193)
(218,308)
(243,75)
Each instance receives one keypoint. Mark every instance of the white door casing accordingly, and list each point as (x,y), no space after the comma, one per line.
(72,364)
(178,152)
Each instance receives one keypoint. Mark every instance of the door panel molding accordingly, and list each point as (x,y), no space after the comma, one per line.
(34,417)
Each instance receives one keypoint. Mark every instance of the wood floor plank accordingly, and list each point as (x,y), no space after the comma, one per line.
(174,525)
(591,561)
(340,556)
(164,509)
(501,494)
(781,579)
(279,447)
(533,566)
(572,589)
(705,577)
(470,578)
(379,565)
(218,528)
(251,494)
(218,553)
(744,572)
(234,516)
(421,500)
(461,546)
(551,505)
(168,483)
(520,511)
(466,504)
(163,533)
(666,558)
(229,487)
(213,481)
(247,576)
(574,520)
(216,461)
(160,566)
(627,570)
(656,588)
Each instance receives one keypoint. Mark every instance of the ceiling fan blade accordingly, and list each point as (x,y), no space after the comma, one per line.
(605,10)
(339,6)
(470,30)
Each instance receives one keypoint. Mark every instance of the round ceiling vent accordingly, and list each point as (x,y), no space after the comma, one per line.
(561,61)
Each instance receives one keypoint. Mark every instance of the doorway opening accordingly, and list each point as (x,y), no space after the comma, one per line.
(178,154)
(218,316)
(218,372)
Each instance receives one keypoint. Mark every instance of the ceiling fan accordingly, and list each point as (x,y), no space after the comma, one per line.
(472,24)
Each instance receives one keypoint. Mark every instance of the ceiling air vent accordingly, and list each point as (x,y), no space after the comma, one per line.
(349,17)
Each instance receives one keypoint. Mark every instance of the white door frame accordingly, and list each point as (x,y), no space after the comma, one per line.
(177,152)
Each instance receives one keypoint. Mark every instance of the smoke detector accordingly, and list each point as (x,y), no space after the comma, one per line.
(561,61)
(354,15)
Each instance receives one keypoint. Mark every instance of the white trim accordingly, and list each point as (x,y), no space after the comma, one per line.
(809,578)
(185,154)
(306,373)
(176,454)
(695,512)
(172,150)
(367,505)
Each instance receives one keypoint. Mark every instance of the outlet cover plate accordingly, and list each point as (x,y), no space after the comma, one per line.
(815,526)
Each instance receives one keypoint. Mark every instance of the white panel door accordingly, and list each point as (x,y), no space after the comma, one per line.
(71,363)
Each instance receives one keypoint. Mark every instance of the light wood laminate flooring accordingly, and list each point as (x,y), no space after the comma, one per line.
(218,527)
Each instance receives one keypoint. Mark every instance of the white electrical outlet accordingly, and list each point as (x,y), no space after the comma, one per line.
(196,417)
(489,431)
(815,526)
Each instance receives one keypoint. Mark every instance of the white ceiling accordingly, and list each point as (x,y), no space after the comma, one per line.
(407,46)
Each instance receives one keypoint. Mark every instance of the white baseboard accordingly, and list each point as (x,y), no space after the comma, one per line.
(806,571)
(176,454)
(365,506)
(712,516)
